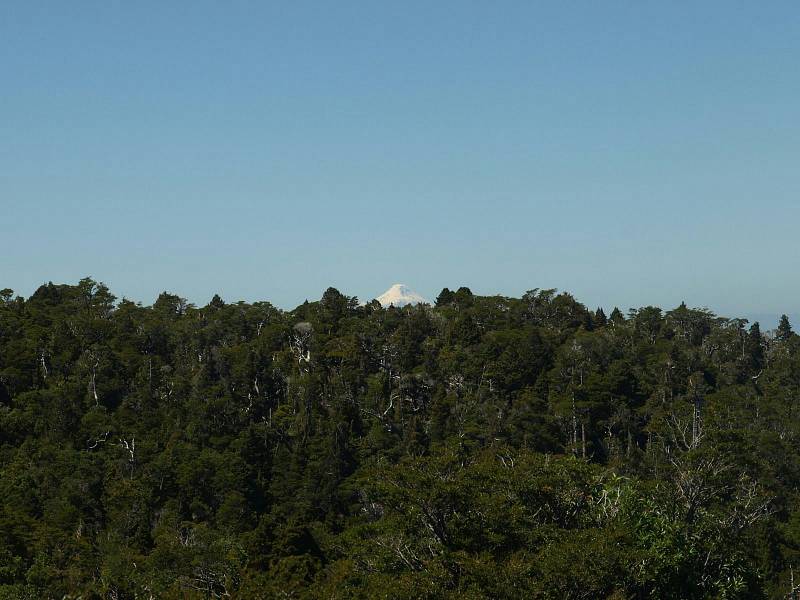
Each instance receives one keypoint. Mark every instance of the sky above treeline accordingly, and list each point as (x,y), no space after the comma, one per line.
(632,153)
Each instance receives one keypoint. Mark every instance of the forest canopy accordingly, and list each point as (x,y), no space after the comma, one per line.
(481,447)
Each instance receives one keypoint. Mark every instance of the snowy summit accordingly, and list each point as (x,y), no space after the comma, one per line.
(400,295)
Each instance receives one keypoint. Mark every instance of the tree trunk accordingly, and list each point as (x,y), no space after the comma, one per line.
(574,427)
(583,440)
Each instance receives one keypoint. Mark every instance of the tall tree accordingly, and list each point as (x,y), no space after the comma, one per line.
(784,331)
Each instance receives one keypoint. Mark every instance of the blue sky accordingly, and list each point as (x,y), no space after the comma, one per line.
(631,152)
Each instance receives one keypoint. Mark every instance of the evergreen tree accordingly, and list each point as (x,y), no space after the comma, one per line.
(755,348)
(784,331)
(616,316)
(216,302)
(444,298)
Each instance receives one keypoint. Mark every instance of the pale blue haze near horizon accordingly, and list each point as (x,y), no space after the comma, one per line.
(632,153)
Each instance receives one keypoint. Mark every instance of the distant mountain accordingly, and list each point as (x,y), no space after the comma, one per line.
(400,295)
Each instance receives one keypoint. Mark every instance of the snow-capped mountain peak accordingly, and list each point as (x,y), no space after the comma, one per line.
(400,295)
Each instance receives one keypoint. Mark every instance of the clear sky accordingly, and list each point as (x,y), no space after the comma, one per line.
(630,152)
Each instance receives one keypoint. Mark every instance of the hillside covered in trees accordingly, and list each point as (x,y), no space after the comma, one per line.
(484,447)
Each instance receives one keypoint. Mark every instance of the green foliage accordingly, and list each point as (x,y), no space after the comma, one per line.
(486,447)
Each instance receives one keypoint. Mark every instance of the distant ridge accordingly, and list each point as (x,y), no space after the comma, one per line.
(400,295)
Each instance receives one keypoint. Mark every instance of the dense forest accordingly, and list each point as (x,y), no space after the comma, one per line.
(482,447)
